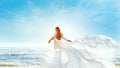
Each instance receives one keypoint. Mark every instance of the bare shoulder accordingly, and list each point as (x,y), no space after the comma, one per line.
(62,34)
(54,35)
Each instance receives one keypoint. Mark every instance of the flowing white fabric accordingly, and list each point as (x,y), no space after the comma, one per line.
(75,55)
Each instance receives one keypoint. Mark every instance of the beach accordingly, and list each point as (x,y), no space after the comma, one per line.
(117,66)
(21,65)
(30,66)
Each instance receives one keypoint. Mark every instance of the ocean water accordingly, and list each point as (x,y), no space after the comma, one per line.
(28,56)
(13,56)
(24,56)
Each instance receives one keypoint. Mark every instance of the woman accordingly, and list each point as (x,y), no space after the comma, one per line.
(67,56)
(58,35)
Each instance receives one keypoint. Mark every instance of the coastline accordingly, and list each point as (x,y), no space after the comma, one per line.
(30,66)
(10,65)
(17,65)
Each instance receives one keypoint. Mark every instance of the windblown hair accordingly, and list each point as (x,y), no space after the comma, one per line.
(57,28)
(58,35)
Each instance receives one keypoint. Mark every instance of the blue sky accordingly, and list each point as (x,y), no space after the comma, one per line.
(34,20)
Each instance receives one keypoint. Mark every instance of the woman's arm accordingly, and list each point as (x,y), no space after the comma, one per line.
(50,39)
(67,39)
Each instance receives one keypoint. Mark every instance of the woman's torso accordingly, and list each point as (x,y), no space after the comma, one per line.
(57,40)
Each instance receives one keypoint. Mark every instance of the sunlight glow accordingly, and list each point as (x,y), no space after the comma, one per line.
(35,23)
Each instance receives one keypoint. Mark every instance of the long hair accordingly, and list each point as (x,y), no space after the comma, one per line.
(57,29)
(58,32)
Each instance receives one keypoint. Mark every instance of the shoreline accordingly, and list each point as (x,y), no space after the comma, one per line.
(29,66)
(23,65)
(33,66)
(17,65)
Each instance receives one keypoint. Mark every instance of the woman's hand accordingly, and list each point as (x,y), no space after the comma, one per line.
(69,40)
(50,39)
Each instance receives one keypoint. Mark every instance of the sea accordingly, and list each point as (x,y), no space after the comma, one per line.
(13,56)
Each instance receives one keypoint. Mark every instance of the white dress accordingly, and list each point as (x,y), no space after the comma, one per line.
(72,56)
